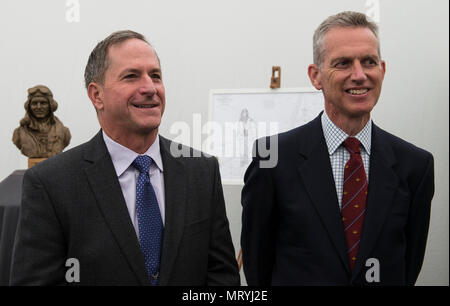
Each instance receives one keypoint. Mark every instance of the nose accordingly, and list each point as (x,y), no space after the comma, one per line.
(358,73)
(147,87)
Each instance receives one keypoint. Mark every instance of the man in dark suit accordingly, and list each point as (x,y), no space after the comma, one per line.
(124,208)
(347,203)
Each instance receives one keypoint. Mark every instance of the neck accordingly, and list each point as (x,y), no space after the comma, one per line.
(41,124)
(350,125)
(138,143)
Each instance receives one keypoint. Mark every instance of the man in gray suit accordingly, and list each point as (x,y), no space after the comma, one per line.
(86,207)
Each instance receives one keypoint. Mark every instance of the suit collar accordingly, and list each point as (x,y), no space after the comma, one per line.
(103,181)
(382,145)
(314,168)
(383,183)
(95,149)
(175,184)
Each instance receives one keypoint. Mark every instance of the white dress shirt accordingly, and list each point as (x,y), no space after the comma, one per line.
(122,158)
(334,137)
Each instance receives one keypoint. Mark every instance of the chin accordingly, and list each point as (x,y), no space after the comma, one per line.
(360,113)
(361,108)
(148,129)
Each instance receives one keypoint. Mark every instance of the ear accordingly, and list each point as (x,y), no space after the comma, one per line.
(315,76)
(383,67)
(95,93)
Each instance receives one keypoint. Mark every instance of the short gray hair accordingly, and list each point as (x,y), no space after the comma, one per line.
(98,60)
(346,19)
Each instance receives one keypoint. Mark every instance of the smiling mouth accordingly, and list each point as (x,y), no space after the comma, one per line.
(145,105)
(357,91)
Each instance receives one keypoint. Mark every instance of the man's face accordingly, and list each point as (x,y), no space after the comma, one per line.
(133,94)
(40,107)
(352,73)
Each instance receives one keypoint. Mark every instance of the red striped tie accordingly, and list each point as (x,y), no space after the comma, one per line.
(353,198)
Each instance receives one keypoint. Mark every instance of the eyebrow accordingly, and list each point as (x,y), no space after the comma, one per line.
(347,58)
(137,71)
(339,59)
(373,56)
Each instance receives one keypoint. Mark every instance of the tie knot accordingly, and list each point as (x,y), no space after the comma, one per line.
(352,145)
(142,163)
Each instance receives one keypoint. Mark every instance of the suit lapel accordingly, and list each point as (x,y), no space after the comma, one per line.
(105,186)
(315,170)
(383,183)
(175,184)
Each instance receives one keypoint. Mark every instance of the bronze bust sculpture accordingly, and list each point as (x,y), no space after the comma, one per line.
(41,134)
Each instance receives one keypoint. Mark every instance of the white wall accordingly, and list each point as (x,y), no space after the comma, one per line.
(212,44)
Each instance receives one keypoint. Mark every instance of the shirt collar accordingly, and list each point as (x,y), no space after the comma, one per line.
(334,136)
(122,157)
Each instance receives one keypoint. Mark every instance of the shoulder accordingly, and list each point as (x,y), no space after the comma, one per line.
(186,154)
(16,134)
(289,142)
(403,149)
(300,134)
(22,131)
(63,165)
(185,163)
(409,161)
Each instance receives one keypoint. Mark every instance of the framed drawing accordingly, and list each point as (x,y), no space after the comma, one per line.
(239,117)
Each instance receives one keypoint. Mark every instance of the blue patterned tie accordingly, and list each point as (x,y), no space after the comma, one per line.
(149,218)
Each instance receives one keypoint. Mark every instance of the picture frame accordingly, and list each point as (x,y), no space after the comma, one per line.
(238,117)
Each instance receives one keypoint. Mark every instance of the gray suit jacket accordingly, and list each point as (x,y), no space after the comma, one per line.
(73,207)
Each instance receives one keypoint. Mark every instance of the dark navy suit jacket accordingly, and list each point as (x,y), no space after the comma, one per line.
(292,233)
